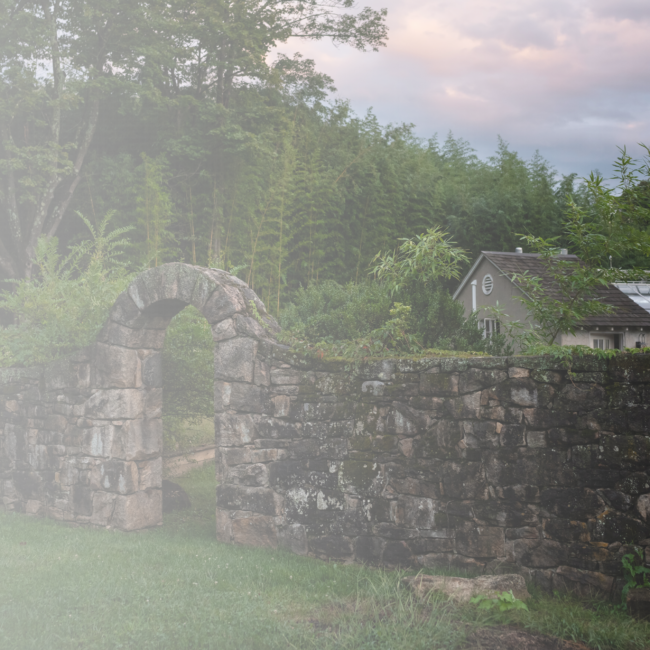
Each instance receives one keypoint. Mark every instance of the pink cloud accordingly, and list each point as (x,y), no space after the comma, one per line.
(569,77)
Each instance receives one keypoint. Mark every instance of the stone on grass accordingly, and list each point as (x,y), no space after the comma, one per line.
(462,590)
(174,497)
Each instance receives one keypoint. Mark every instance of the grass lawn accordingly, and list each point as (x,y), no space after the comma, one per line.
(176,588)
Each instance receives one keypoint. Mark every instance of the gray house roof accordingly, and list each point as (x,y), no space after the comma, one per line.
(628,312)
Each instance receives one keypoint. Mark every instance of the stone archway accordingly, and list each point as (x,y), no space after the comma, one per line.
(122,427)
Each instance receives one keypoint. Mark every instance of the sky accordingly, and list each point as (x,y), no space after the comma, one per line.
(570,78)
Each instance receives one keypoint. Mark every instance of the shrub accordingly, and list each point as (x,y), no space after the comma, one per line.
(335,312)
(65,304)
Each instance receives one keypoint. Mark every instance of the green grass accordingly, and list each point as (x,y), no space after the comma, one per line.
(176,588)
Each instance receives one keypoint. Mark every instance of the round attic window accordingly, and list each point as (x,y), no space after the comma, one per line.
(487,284)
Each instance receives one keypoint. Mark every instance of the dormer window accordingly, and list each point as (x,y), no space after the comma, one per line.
(487,285)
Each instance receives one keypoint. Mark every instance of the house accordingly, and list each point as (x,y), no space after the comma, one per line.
(489,282)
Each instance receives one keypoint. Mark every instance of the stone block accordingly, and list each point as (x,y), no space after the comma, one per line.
(247,326)
(512,435)
(587,584)
(611,526)
(234,430)
(82,500)
(142,509)
(634,483)
(615,499)
(496,512)
(571,503)
(103,506)
(335,547)
(539,553)
(256,475)
(152,371)
(246,398)
(287,474)
(115,404)
(518,373)
(33,507)
(368,549)
(150,473)
(259,531)
(254,499)
(398,554)
(475,379)
(223,303)
(481,542)
(281,406)
(566,530)
(224,330)
(481,434)
(294,538)
(520,392)
(98,440)
(414,512)
(582,397)
(114,476)
(643,507)
(358,476)
(286,376)
(138,439)
(438,384)
(235,360)
(116,367)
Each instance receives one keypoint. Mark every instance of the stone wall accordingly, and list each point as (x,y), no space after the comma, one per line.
(491,464)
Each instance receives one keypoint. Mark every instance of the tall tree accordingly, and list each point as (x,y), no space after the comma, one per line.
(62,61)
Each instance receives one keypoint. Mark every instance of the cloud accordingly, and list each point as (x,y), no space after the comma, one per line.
(567,77)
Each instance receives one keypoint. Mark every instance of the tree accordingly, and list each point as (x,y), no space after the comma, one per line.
(599,232)
(58,60)
(63,61)
(424,258)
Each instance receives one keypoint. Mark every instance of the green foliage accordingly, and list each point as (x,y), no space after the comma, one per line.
(427,258)
(596,234)
(329,311)
(154,212)
(149,65)
(636,574)
(439,322)
(188,366)
(66,304)
(504,602)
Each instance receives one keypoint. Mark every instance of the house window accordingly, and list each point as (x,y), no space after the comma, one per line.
(491,327)
(601,344)
(487,285)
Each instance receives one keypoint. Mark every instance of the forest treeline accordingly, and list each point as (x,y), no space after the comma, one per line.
(287,191)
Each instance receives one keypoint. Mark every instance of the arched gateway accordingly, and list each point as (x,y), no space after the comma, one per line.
(98,414)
